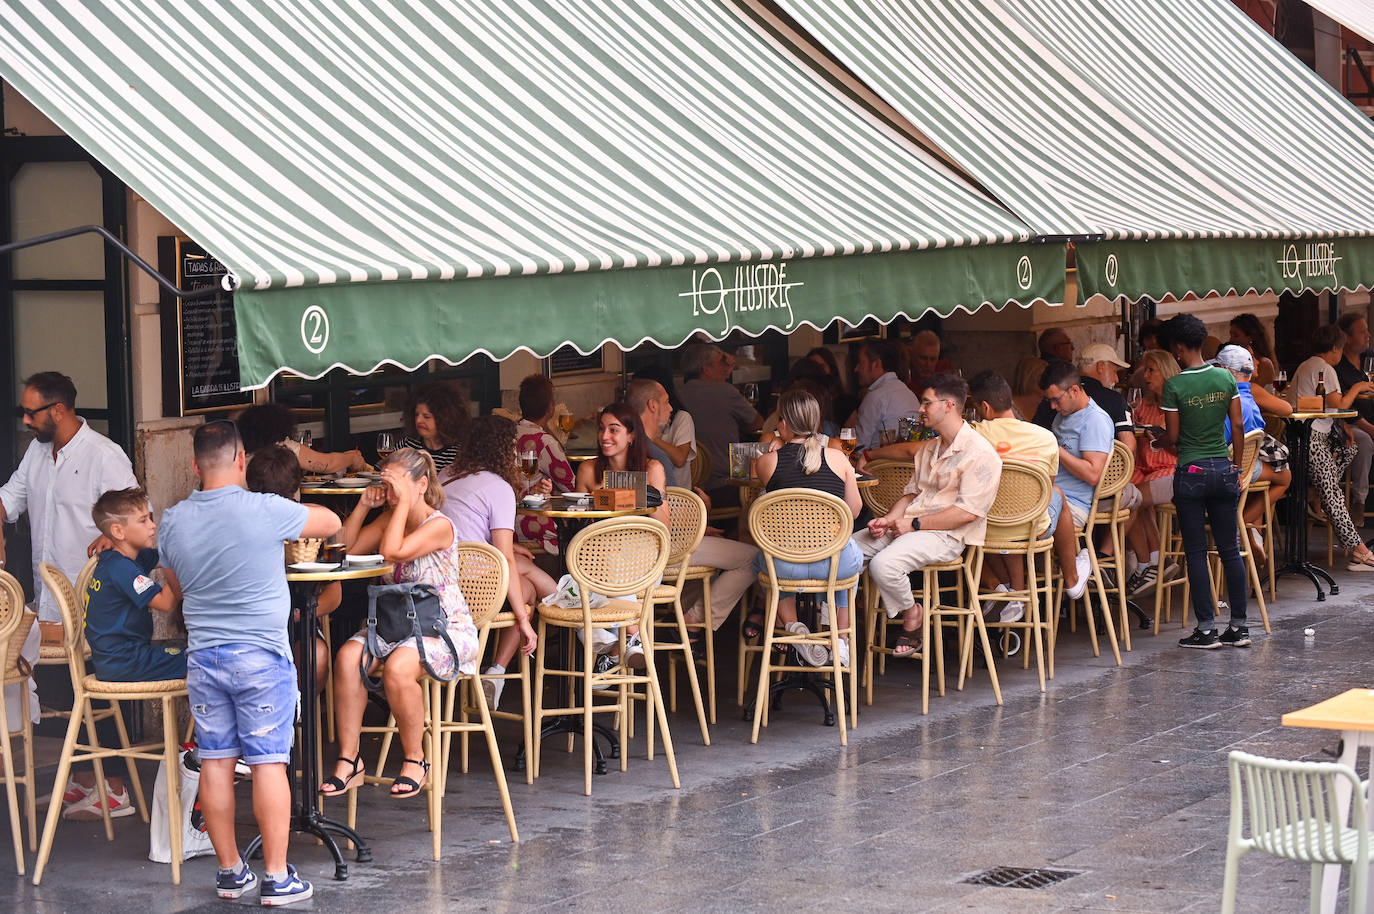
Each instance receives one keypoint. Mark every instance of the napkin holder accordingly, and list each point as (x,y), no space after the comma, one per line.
(613,499)
(636,481)
(1310,404)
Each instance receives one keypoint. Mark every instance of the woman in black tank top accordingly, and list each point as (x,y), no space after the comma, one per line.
(805,462)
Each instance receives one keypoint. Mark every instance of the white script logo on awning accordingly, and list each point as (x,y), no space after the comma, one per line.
(755,287)
(315,329)
(1316,260)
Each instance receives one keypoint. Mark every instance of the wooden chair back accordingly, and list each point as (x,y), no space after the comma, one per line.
(686,524)
(16,621)
(801,526)
(1023,496)
(73,620)
(893,476)
(483,576)
(618,557)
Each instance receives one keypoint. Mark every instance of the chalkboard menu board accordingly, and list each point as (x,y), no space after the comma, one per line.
(200,350)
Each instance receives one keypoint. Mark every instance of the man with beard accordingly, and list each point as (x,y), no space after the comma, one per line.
(66,468)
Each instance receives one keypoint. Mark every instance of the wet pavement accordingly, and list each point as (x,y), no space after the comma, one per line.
(1116,774)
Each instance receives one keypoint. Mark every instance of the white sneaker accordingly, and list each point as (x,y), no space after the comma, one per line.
(1012,612)
(1083,563)
(810,654)
(844,652)
(492,689)
(88,808)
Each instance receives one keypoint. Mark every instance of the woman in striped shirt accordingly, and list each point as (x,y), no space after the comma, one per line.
(436,420)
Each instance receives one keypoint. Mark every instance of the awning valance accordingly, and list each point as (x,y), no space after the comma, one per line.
(1356,15)
(437,179)
(1137,122)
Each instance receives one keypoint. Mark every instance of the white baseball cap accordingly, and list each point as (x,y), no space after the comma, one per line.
(1101,352)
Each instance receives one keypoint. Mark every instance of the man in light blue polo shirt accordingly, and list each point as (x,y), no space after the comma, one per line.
(224,544)
(1085,434)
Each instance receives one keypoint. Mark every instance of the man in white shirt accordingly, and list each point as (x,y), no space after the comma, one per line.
(887,399)
(66,468)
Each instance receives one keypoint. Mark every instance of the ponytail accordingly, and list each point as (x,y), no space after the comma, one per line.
(813,453)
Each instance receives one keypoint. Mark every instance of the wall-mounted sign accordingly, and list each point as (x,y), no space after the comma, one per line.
(200,350)
(566,360)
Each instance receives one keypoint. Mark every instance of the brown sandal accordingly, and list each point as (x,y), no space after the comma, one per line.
(911,640)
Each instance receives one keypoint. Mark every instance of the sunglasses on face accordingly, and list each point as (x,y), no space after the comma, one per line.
(21,412)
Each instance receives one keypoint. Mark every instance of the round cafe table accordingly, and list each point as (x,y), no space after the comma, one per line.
(305,814)
(1299,439)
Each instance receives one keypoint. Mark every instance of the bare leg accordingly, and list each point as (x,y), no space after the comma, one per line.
(272,809)
(401,676)
(216,797)
(350,699)
(1065,547)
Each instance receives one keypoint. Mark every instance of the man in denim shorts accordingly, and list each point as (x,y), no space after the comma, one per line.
(224,544)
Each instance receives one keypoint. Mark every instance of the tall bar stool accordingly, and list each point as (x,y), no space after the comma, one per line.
(686,529)
(621,558)
(802,526)
(1023,496)
(56,654)
(86,688)
(893,477)
(1105,512)
(15,624)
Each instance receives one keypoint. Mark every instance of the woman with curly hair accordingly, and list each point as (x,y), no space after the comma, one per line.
(274,424)
(479,497)
(436,421)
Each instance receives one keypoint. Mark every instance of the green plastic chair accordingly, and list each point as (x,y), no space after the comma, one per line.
(1295,813)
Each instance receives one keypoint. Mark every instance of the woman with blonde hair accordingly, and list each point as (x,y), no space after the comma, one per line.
(802,461)
(1154,470)
(421,542)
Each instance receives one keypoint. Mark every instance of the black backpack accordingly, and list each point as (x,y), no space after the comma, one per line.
(397,612)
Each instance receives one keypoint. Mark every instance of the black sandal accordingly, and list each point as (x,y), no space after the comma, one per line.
(332,786)
(753,626)
(411,785)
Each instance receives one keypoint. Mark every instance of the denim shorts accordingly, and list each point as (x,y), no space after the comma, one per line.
(244,700)
(851,563)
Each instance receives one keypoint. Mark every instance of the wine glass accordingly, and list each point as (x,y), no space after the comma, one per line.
(848,440)
(386,443)
(1368,364)
(567,422)
(1280,382)
(1133,399)
(751,393)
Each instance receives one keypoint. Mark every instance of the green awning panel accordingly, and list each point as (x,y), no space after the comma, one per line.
(453,177)
(1129,120)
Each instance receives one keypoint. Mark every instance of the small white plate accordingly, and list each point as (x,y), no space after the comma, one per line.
(371,559)
(314,566)
(352,482)
(534,501)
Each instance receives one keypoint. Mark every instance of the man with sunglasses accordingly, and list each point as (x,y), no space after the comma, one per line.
(66,468)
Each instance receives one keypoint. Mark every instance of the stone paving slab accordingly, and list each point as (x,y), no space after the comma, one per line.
(1117,772)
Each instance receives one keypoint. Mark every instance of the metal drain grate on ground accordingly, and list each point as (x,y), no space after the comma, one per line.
(1020,877)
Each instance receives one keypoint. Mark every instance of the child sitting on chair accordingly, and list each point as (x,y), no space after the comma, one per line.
(119,626)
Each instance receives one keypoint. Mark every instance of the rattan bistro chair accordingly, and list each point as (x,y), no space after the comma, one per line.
(1297,811)
(1023,496)
(804,526)
(86,688)
(621,558)
(15,624)
(686,529)
(1105,512)
(893,477)
(482,579)
(56,654)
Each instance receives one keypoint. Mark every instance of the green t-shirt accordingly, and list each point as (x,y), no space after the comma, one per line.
(1202,398)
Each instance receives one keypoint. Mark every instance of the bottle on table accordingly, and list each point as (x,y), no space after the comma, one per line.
(1321,385)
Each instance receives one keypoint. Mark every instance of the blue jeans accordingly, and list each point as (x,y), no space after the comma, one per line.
(243,699)
(851,563)
(1207,491)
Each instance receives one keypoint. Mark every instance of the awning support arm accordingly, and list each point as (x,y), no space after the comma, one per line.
(118,245)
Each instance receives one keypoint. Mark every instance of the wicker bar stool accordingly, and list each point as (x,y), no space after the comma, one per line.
(86,688)
(621,558)
(15,624)
(56,654)
(483,576)
(1105,511)
(804,526)
(1023,496)
(686,528)
(893,477)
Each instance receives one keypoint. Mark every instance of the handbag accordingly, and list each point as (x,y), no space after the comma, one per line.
(397,613)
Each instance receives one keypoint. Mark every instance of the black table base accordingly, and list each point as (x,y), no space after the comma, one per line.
(822,688)
(1296,561)
(306,817)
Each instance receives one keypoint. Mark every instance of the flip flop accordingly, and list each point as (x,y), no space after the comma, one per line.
(911,640)
(332,786)
(410,785)
(753,626)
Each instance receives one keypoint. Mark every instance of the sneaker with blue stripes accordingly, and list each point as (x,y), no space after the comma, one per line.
(233,885)
(289,891)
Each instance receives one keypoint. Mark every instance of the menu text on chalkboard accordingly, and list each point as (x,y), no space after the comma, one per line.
(200,355)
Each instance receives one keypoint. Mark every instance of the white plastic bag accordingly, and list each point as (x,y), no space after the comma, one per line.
(567,597)
(195,841)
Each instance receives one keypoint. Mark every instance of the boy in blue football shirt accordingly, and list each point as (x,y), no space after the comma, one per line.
(119,626)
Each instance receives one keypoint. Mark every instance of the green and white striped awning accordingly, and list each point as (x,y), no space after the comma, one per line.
(1203,155)
(396,181)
